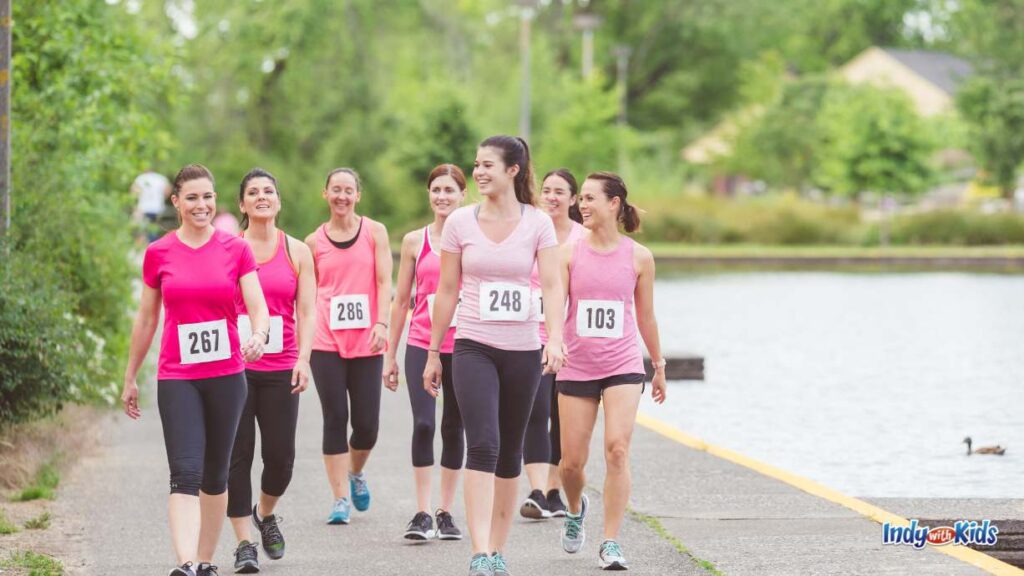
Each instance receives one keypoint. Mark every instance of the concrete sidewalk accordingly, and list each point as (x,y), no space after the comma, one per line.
(738,520)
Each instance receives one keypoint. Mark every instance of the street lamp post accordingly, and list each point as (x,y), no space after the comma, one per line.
(587,22)
(526,13)
(622,53)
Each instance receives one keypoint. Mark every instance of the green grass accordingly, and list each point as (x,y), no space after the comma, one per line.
(667,249)
(654,524)
(6,527)
(41,522)
(44,485)
(36,564)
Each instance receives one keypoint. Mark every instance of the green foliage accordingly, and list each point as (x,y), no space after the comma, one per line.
(958,228)
(872,140)
(43,486)
(36,564)
(581,134)
(6,526)
(994,112)
(41,522)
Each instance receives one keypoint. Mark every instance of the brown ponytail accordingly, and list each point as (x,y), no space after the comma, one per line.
(515,152)
(614,187)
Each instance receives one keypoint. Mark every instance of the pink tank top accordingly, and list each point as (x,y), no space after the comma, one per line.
(600,329)
(346,293)
(537,301)
(280,288)
(428,276)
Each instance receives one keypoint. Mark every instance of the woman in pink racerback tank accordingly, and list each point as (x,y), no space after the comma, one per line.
(420,261)
(610,285)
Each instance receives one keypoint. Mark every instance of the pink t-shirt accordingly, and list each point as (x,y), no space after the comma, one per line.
(198,285)
(428,276)
(495,306)
(280,286)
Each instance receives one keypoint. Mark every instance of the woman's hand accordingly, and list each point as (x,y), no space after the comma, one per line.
(130,399)
(253,349)
(555,356)
(378,337)
(390,374)
(658,387)
(432,374)
(300,376)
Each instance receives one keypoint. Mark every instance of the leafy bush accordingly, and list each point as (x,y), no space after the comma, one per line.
(958,228)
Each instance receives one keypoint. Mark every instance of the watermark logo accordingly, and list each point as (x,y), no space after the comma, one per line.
(961,533)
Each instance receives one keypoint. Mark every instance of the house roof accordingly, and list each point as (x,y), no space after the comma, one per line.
(941,69)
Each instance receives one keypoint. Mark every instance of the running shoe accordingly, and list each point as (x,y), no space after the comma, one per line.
(421,527)
(246,561)
(360,491)
(183,570)
(446,528)
(206,569)
(270,534)
(498,565)
(611,557)
(555,505)
(535,506)
(573,534)
(340,512)
(480,565)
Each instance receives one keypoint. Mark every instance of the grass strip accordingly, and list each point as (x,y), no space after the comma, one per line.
(44,485)
(41,522)
(36,564)
(6,526)
(654,524)
(670,249)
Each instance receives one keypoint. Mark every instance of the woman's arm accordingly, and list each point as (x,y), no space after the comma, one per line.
(256,306)
(143,329)
(445,301)
(647,324)
(400,308)
(384,266)
(305,312)
(554,307)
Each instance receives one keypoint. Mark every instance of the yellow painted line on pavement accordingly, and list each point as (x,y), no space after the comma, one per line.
(962,553)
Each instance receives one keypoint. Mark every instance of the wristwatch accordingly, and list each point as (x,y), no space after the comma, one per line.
(659,364)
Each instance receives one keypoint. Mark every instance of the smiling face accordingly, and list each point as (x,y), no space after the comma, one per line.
(196,203)
(491,174)
(342,193)
(260,200)
(445,195)
(556,197)
(596,208)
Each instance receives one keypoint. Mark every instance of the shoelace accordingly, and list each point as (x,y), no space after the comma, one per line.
(247,552)
(498,562)
(572,527)
(360,485)
(444,520)
(611,548)
(481,562)
(271,533)
(420,520)
(209,570)
(340,505)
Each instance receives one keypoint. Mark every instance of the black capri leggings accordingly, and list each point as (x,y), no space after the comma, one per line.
(424,413)
(495,389)
(341,382)
(544,445)
(270,402)
(199,419)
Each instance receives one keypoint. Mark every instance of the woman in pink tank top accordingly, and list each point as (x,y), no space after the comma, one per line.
(542,448)
(352,258)
(195,272)
(421,262)
(275,381)
(610,283)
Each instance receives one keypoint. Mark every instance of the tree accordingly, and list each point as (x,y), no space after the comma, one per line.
(994,111)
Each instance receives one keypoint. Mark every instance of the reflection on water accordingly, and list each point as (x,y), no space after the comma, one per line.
(865,383)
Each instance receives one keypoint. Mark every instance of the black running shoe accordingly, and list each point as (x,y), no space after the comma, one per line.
(446,529)
(555,505)
(183,570)
(270,535)
(206,569)
(535,506)
(421,527)
(246,560)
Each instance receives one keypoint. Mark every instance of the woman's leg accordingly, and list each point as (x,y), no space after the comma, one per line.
(578,416)
(329,376)
(453,444)
(364,398)
(239,476)
(555,433)
(423,417)
(277,411)
(620,405)
(537,443)
(181,409)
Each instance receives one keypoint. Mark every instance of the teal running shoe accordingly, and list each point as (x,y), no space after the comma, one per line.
(270,534)
(360,491)
(480,565)
(573,534)
(611,557)
(498,565)
(340,512)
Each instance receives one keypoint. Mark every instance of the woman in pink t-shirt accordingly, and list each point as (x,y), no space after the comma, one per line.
(490,248)
(542,449)
(275,381)
(421,261)
(195,272)
(353,293)
(610,284)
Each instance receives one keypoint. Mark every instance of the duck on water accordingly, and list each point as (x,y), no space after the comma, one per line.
(996,450)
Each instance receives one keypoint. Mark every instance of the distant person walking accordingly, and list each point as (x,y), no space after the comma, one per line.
(610,283)
(151,190)
(196,272)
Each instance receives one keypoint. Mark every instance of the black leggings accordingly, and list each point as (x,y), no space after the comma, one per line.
(495,389)
(340,381)
(200,418)
(542,444)
(424,413)
(271,403)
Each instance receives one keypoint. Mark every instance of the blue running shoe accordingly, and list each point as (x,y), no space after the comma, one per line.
(340,513)
(480,565)
(360,491)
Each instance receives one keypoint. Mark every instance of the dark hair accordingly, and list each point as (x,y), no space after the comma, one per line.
(254,173)
(564,174)
(350,172)
(614,187)
(188,173)
(447,170)
(515,152)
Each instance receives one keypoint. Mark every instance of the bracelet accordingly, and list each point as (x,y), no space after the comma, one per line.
(435,350)
(266,335)
(659,364)
(384,324)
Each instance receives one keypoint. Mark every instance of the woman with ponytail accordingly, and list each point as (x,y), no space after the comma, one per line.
(490,248)
(610,285)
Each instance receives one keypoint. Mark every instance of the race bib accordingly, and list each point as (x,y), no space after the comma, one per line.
(350,312)
(599,318)
(455,316)
(276,343)
(204,342)
(537,305)
(504,301)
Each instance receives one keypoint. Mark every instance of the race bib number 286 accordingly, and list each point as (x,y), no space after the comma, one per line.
(350,311)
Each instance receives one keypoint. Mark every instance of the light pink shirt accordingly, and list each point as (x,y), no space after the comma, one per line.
(509,261)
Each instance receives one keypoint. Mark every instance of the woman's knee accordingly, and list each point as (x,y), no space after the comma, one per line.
(616,454)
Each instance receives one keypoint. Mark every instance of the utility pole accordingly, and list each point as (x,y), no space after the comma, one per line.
(5,118)
(527,10)
(622,53)
(587,22)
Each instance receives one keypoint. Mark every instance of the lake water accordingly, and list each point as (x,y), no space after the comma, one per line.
(867,383)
